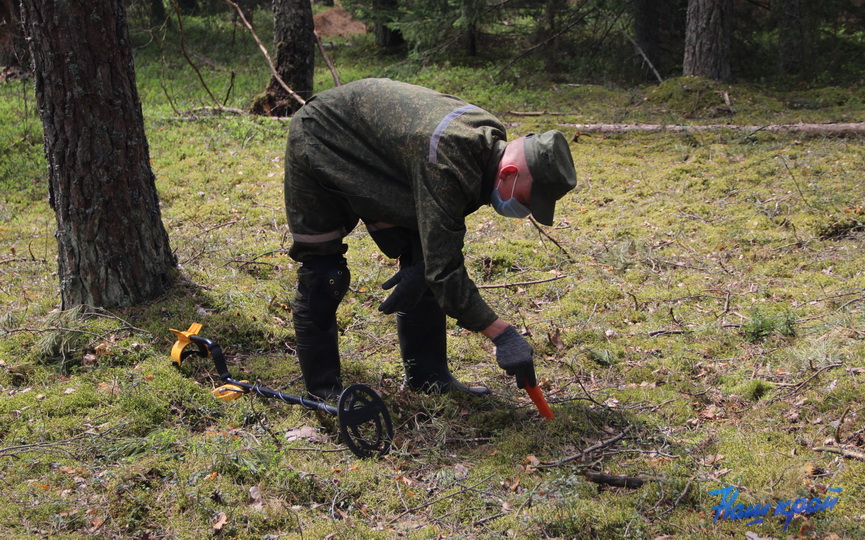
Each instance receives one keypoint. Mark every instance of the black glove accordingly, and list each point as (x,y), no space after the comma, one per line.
(410,285)
(514,355)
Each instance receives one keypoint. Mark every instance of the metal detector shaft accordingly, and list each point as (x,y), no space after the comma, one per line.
(364,421)
(287,398)
(219,361)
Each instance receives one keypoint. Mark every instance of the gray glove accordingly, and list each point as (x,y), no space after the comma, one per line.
(410,285)
(514,355)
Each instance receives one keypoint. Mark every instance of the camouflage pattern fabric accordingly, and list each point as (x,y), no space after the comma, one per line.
(386,152)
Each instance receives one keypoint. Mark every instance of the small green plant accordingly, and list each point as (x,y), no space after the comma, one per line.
(756,389)
(763,325)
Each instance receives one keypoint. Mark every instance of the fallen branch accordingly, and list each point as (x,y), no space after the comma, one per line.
(550,238)
(327,59)
(615,480)
(583,453)
(273,71)
(539,113)
(665,332)
(645,57)
(850,128)
(436,500)
(809,379)
(842,451)
(520,283)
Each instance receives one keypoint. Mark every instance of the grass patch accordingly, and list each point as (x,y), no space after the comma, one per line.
(703,292)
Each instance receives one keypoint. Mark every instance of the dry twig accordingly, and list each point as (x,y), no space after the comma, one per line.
(583,453)
(520,283)
(842,451)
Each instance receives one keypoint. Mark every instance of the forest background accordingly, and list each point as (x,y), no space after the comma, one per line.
(696,309)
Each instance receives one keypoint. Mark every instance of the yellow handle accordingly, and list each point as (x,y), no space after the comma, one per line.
(228,392)
(182,341)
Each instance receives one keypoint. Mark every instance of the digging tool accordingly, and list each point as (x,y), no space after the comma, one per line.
(364,421)
(540,402)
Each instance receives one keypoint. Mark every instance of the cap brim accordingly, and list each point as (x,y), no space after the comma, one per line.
(543,206)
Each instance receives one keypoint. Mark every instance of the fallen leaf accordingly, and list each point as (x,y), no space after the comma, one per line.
(712,459)
(219,521)
(404,480)
(106,388)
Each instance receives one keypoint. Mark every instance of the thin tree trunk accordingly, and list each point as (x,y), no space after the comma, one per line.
(647,32)
(294,40)
(112,247)
(708,39)
(12,47)
(385,12)
(791,37)
(157,13)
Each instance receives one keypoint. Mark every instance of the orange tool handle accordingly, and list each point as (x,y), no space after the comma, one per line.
(541,403)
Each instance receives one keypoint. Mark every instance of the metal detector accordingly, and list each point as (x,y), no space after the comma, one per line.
(364,421)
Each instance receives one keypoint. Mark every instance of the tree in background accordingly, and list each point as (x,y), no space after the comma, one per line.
(791,37)
(709,39)
(294,42)
(158,14)
(112,247)
(386,13)
(12,49)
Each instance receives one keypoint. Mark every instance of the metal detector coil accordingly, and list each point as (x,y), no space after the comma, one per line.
(364,421)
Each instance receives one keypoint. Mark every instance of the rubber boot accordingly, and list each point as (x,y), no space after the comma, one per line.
(423,344)
(317,352)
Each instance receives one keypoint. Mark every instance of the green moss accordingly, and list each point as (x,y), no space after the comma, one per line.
(686,293)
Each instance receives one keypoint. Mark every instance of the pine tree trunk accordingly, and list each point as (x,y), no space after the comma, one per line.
(708,39)
(12,49)
(791,37)
(112,247)
(647,30)
(157,13)
(385,11)
(294,42)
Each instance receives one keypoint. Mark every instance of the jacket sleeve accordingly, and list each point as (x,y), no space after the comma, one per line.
(445,191)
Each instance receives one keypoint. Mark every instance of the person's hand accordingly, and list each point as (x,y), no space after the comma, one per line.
(409,286)
(514,355)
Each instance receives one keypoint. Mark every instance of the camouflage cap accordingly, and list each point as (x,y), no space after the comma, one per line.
(553,173)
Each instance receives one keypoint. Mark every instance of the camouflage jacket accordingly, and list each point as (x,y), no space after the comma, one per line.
(415,158)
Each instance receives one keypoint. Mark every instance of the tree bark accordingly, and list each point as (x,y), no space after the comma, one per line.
(112,247)
(157,13)
(294,40)
(12,47)
(647,27)
(791,37)
(385,12)
(709,39)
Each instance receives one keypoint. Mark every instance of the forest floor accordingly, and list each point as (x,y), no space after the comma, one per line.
(697,310)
